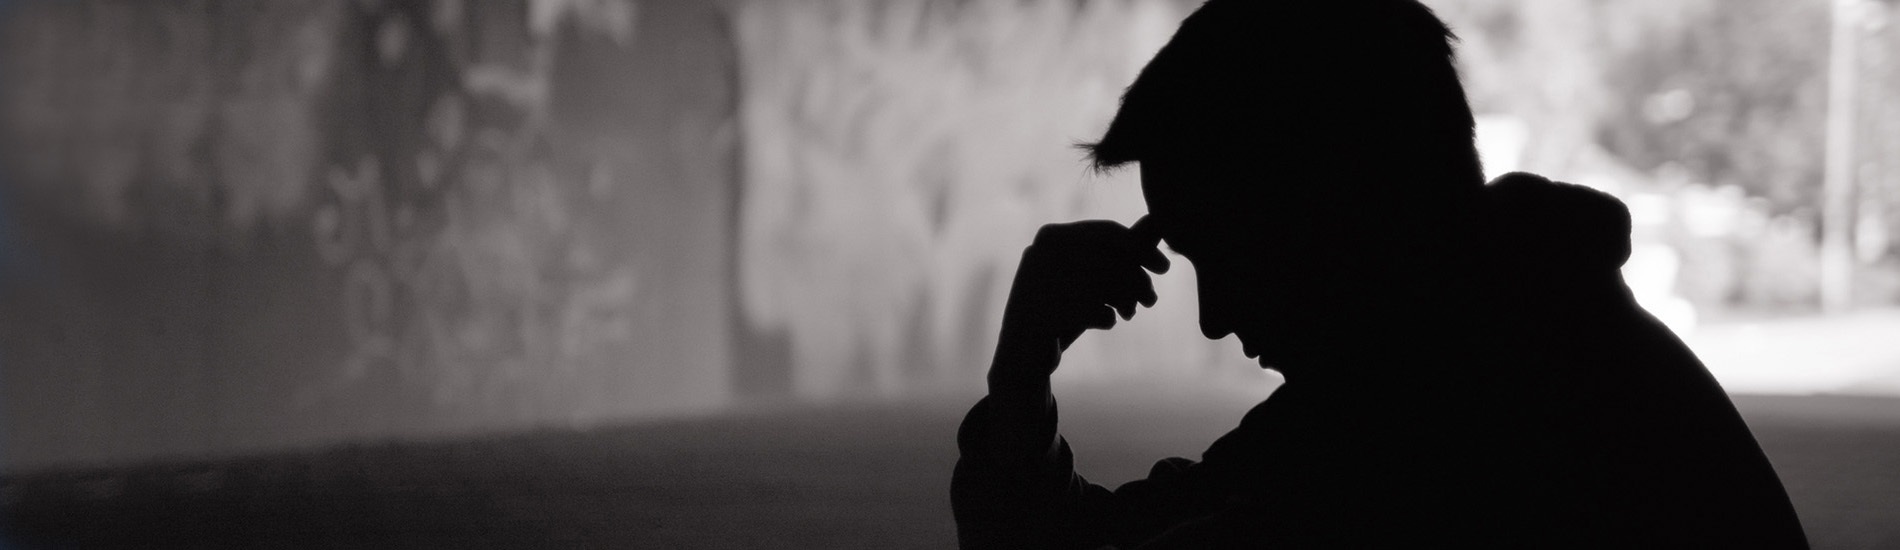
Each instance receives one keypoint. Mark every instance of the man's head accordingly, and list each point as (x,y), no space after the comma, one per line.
(1304,155)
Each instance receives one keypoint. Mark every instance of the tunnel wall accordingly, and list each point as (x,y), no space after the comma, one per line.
(230,226)
(236,226)
(898,156)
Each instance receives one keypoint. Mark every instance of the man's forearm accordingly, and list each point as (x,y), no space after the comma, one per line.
(1019,419)
(1021,367)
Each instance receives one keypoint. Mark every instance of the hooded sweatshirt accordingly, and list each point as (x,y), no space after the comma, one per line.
(1569,418)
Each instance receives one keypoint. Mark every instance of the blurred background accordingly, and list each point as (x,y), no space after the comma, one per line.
(747,258)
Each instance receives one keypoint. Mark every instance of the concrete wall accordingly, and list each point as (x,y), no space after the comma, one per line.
(243,225)
(899,156)
(230,226)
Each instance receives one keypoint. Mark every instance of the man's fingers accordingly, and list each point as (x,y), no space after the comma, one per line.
(1126,307)
(1132,287)
(1155,261)
(1148,245)
(1086,274)
(1145,231)
(1144,289)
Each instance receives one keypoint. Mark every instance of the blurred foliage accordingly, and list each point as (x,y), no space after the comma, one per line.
(1732,95)
(1732,92)
(1685,98)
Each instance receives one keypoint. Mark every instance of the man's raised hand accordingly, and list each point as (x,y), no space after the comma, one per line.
(1074,277)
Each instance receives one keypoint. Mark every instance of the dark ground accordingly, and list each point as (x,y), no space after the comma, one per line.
(848,476)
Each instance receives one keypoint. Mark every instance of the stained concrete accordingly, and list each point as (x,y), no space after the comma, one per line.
(239,226)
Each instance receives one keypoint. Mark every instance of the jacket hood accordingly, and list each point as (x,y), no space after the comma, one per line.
(1536,227)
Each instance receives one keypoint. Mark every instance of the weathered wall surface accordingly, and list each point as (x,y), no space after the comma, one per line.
(242,225)
(899,155)
(249,225)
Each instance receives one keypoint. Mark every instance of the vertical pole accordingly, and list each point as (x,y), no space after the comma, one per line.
(1837,193)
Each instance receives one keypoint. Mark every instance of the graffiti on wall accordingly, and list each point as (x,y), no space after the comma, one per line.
(313,221)
(456,244)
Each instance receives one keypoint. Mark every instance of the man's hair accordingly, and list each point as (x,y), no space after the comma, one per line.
(1357,90)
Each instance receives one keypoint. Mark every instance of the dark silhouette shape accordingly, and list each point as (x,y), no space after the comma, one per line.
(1464,365)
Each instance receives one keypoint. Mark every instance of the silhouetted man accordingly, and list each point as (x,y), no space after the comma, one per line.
(1463,363)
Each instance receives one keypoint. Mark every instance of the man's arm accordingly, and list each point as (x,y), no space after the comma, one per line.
(1015,484)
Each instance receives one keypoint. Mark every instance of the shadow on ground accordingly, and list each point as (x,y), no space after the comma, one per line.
(855,476)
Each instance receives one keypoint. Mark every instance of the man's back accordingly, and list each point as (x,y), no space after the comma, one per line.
(1629,418)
